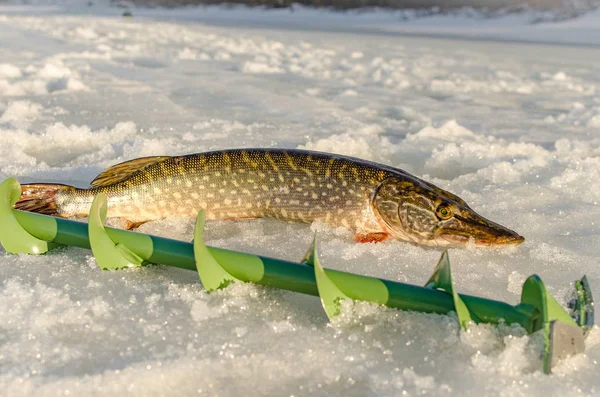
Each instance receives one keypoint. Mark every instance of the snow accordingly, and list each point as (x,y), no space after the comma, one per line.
(53,76)
(504,113)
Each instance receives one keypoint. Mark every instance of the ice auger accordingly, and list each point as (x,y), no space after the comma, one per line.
(30,233)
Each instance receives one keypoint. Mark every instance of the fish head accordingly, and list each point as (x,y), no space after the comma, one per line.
(419,212)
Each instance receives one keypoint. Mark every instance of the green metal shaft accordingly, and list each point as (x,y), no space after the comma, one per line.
(275,272)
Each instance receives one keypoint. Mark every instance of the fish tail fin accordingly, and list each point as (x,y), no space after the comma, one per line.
(41,198)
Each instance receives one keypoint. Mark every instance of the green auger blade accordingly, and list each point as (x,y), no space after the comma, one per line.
(212,275)
(14,238)
(108,254)
(584,305)
(309,257)
(562,335)
(442,279)
(329,292)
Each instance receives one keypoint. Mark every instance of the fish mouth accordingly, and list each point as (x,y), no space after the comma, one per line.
(481,231)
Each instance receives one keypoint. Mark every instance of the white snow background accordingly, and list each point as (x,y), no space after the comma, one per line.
(502,112)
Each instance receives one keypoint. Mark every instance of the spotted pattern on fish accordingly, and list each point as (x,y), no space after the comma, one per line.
(288,185)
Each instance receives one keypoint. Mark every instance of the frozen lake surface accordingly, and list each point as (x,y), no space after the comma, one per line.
(503,113)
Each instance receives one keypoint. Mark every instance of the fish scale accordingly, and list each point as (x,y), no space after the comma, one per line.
(371,199)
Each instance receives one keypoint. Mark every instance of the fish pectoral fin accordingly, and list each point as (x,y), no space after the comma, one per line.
(120,172)
(371,237)
(130,225)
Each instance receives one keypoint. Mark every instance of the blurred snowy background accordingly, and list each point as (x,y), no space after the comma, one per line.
(559,8)
(503,111)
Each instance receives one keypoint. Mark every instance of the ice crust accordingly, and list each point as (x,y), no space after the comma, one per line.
(514,129)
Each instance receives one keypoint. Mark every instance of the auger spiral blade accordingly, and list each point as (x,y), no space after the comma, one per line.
(442,279)
(583,305)
(329,292)
(212,275)
(14,237)
(108,254)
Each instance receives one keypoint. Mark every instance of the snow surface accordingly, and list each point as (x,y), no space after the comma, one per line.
(512,127)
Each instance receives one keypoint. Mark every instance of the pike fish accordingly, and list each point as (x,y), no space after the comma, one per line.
(374,200)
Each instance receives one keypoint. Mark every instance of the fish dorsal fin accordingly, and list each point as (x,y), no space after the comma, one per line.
(120,172)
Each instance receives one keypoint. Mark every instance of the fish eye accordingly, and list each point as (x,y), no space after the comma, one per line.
(444,212)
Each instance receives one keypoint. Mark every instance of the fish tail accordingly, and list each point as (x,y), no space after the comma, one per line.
(41,198)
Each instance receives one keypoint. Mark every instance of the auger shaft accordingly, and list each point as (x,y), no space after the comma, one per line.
(275,272)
